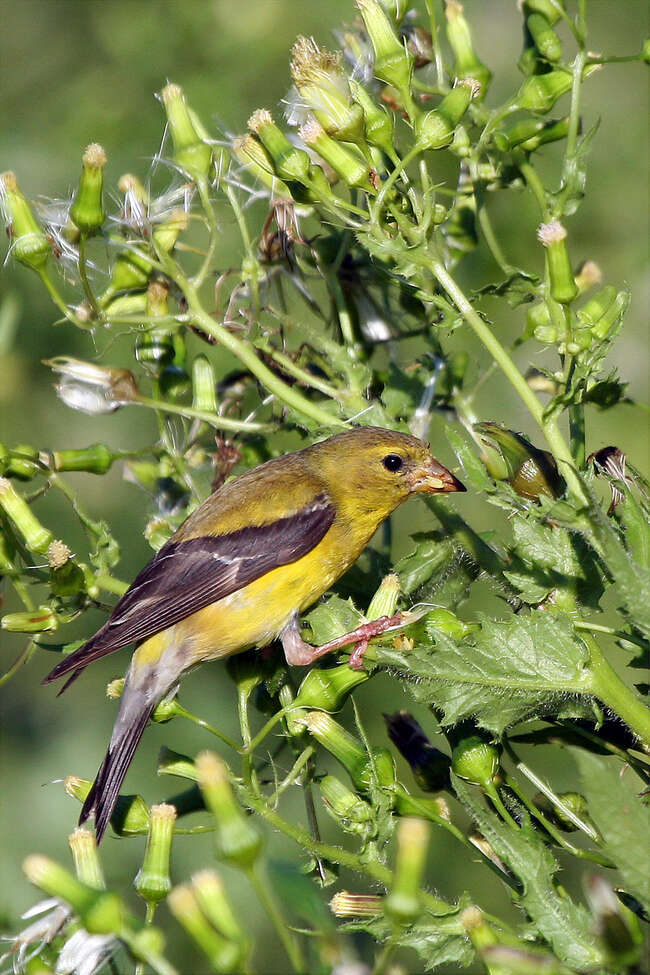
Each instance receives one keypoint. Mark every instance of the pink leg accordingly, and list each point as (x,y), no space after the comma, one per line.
(299,653)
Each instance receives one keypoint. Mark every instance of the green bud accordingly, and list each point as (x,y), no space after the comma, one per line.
(479,931)
(328,689)
(39,620)
(130,816)
(323,86)
(645,51)
(175,384)
(191,154)
(37,537)
(537,316)
(174,763)
(384,602)
(294,726)
(547,8)
(136,199)
(346,807)
(153,882)
(66,577)
(95,459)
(100,912)
(540,92)
(211,896)
(547,334)
(531,471)
(23,462)
(552,236)
(29,245)
(588,275)
(87,864)
(467,64)
(533,133)
(575,802)
(166,233)
(393,62)
(476,760)
(345,904)
(133,304)
(435,129)
(379,124)
(154,347)
(362,768)
(204,385)
(349,166)
(224,955)
(252,154)
(431,808)
(546,40)
(130,272)
(429,765)
(289,162)
(447,622)
(403,904)
(596,314)
(236,840)
(87,210)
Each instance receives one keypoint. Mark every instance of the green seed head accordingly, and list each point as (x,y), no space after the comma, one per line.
(153,882)
(403,903)
(87,210)
(475,760)
(85,854)
(552,236)
(236,839)
(29,245)
(191,154)
(393,62)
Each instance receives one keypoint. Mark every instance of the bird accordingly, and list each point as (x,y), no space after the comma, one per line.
(239,571)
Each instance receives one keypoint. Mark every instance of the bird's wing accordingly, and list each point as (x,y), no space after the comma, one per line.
(187,575)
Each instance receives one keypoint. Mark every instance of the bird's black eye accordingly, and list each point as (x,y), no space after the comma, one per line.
(392,462)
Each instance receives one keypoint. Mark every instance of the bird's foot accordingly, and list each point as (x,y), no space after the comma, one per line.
(299,653)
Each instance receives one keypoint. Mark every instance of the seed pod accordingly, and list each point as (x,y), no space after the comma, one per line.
(475,760)
(551,9)
(87,210)
(552,236)
(479,931)
(601,311)
(153,882)
(323,86)
(236,839)
(393,63)
(546,40)
(29,245)
(345,904)
(252,154)
(175,384)
(467,64)
(191,153)
(211,896)
(90,388)
(533,133)
(166,233)
(362,768)
(224,955)
(384,602)
(403,903)
(36,536)
(429,765)
(85,854)
(22,463)
(531,471)
(435,129)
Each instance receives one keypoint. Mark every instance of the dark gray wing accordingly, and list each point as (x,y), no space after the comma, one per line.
(185,576)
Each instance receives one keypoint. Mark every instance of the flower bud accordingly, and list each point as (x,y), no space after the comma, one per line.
(575,802)
(191,154)
(384,602)
(393,62)
(346,807)
(66,577)
(530,134)
(175,384)
(211,896)
(349,166)
(236,839)
(588,275)
(174,763)
(167,231)
(429,765)
(478,930)
(540,92)
(403,903)
(323,86)
(136,201)
(379,124)
(86,858)
(95,459)
(153,882)
(87,210)
(224,955)
(551,9)
(29,245)
(131,814)
(22,463)
(530,471)
(100,912)
(475,760)
(204,385)
(328,689)
(154,347)
(90,388)
(130,272)
(467,64)
(345,904)
(603,311)
(289,162)
(546,40)
(39,620)
(37,537)
(431,808)
(130,304)
(252,154)
(361,767)
(553,237)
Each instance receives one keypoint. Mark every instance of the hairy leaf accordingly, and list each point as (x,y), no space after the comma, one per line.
(567,926)
(438,941)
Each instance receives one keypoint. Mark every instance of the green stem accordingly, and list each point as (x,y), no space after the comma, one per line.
(22,658)
(534,184)
(213,419)
(88,291)
(608,687)
(109,584)
(291,946)
(435,43)
(204,195)
(57,299)
(248,245)
(302,375)
(609,631)
(184,713)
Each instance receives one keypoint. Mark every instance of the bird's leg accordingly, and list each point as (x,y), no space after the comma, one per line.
(299,653)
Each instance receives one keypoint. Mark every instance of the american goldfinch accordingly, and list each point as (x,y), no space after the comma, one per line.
(241,569)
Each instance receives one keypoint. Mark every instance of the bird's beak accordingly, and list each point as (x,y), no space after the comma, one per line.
(434,478)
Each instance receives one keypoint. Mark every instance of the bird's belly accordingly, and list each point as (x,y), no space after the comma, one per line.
(255,615)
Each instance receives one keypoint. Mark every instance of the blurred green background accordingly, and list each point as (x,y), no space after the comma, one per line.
(72,72)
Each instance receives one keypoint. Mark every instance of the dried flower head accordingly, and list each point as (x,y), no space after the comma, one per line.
(93,389)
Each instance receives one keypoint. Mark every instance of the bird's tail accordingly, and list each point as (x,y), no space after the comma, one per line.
(134,714)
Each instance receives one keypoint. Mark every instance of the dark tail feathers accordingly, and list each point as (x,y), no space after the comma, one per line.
(105,790)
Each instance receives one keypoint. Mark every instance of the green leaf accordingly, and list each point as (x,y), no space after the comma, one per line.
(517,289)
(565,925)
(621,818)
(333,618)
(510,670)
(474,470)
(401,393)
(546,558)
(431,554)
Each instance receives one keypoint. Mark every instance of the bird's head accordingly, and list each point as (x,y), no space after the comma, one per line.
(378,469)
